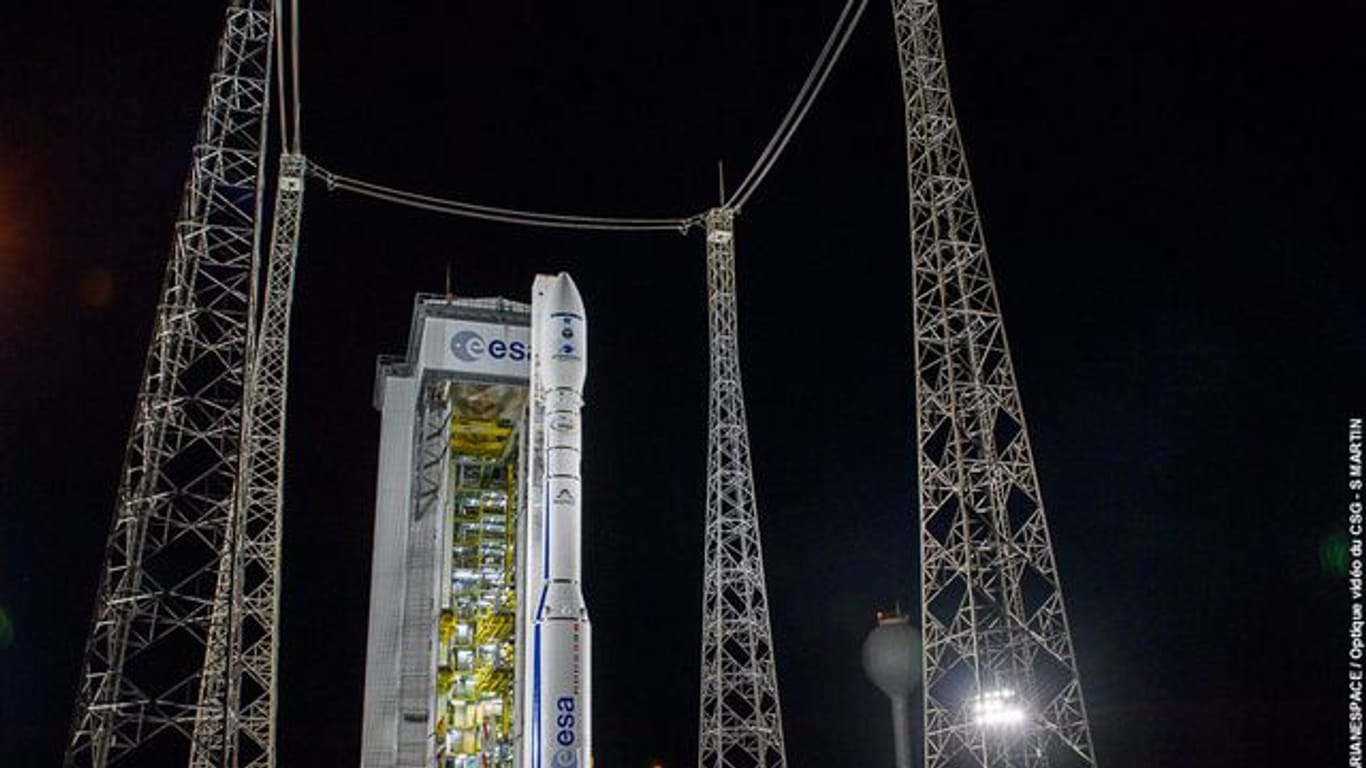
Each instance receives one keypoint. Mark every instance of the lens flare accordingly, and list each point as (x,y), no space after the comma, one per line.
(1333,555)
(6,629)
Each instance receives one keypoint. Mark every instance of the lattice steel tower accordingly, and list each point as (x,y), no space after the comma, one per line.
(180,661)
(740,725)
(1000,685)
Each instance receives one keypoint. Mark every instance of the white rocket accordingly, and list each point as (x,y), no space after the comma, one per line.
(557,716)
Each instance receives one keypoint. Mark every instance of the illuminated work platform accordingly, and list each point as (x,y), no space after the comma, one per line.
(441,656)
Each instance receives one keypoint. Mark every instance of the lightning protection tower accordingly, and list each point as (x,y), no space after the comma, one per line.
(740,725)
(1000,677)
(180,660)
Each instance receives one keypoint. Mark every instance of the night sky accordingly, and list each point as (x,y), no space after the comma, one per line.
(1172,196)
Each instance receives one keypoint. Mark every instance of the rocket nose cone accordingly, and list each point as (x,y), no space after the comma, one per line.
(564,295)
(563,335)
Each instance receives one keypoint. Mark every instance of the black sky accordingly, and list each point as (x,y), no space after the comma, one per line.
(1172,193)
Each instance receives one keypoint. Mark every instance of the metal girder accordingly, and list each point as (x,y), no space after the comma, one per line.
(991,599)
(740,721)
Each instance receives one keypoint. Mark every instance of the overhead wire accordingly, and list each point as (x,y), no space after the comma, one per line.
(287,74)
(810,89)
(279,41)
(494,213)
(799,99)
(830,52)
(294,66)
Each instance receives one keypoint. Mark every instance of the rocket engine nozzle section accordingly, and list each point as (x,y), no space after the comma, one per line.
(561,681)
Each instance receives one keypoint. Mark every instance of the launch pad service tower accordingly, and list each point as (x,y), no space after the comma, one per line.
(478,648)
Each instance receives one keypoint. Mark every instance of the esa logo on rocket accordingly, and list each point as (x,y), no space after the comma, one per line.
(566,756)
(469,346)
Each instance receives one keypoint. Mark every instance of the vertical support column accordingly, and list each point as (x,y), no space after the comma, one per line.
(740,720)
(155,609)
(262,480)
(235,721)
(388,569)
(1001,685)
(418,638)
(531,533)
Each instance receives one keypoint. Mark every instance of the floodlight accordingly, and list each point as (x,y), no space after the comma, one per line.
(997,708)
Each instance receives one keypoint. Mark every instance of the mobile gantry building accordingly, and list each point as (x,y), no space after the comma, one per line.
(441,655)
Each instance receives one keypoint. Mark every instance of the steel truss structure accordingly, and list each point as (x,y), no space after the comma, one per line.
(235,721)
(1000,677)
(181,657)
(180,662)
(740,723)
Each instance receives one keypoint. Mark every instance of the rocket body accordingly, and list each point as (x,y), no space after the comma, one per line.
(561,641)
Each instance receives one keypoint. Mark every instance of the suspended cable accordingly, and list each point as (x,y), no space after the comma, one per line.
(287,74)
(834,46)
(280,72)
(815,80)
(505,215)
(800,98)
(294,66)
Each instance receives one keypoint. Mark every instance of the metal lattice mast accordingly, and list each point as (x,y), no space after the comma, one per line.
(235,722)
(1000,677)
(740,724)
(139,684)
(262,505)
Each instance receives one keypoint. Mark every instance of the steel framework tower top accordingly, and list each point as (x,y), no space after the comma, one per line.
(1000,678)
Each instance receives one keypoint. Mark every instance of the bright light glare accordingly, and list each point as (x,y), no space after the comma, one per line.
(997,708)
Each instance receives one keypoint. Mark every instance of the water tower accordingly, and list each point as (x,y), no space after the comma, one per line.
(891,659)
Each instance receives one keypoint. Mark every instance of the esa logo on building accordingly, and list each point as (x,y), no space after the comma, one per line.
(470,346)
